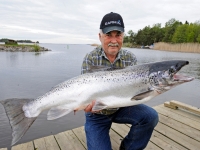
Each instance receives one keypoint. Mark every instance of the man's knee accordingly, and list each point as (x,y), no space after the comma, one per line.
(152,116)
(148,115)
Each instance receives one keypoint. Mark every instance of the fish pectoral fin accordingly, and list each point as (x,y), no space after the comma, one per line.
(57,112)
(142,95)
(99,106)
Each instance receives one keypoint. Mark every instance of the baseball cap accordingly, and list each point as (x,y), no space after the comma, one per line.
(112,21)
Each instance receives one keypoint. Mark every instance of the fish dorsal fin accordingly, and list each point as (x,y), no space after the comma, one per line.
(143,95)
(99,106)
(101,68)
(57,112)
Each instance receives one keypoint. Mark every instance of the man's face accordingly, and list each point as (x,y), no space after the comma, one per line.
(111,42)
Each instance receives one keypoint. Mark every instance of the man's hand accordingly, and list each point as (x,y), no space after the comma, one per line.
(90,106)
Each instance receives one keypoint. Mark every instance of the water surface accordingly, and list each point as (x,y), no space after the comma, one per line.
(30,74)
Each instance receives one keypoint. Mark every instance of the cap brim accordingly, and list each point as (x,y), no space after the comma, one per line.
(112,28)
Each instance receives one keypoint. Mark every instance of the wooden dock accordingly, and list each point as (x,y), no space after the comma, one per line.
(177,129)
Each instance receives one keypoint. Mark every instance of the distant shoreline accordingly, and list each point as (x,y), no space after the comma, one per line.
(162,46)
(22,48)
(179,47)
(94,44)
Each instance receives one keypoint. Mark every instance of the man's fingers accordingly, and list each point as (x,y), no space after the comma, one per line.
(93,102)
(89,107)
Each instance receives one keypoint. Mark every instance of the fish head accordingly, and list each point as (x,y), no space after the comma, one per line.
(163,75)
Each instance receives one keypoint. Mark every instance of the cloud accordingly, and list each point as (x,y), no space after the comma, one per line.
(71,21)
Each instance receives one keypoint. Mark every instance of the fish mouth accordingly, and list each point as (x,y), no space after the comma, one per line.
(182,78)
(179,77)
(175,80)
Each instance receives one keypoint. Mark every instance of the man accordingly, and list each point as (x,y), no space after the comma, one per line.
(142,118)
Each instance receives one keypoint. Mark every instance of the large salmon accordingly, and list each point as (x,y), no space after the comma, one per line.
(110,88)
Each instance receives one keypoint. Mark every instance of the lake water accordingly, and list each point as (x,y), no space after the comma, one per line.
(30,74)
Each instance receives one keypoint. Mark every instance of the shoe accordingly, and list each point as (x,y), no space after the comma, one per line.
(122,147)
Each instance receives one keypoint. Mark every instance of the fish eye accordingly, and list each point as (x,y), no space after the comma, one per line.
(172,70)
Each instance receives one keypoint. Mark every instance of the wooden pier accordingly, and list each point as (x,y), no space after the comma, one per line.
(178,129)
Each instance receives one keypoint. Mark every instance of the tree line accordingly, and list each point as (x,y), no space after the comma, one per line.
(174,31)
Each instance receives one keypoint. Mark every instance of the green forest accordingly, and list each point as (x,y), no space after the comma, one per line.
(174,31)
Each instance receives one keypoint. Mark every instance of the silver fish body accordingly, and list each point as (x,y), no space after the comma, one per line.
(117,87)
(111,89)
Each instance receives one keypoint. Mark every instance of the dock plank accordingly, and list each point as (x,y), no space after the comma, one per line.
(114,144)
(51,143)
(121,129)
(185,106)
(39,144)
(181,112)
(162,144)
(74,140)
(115,137)
(178,117)
(183,128)
(63,142)
(178,137)
(168,140)
(24,146)
(176,130)
(152,146)
(80,133)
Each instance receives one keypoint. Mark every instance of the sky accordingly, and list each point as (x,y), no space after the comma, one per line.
(78,21)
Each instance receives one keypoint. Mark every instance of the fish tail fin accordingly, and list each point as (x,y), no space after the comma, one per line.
(18,121)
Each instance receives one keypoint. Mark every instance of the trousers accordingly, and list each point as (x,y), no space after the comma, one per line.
(142,118)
